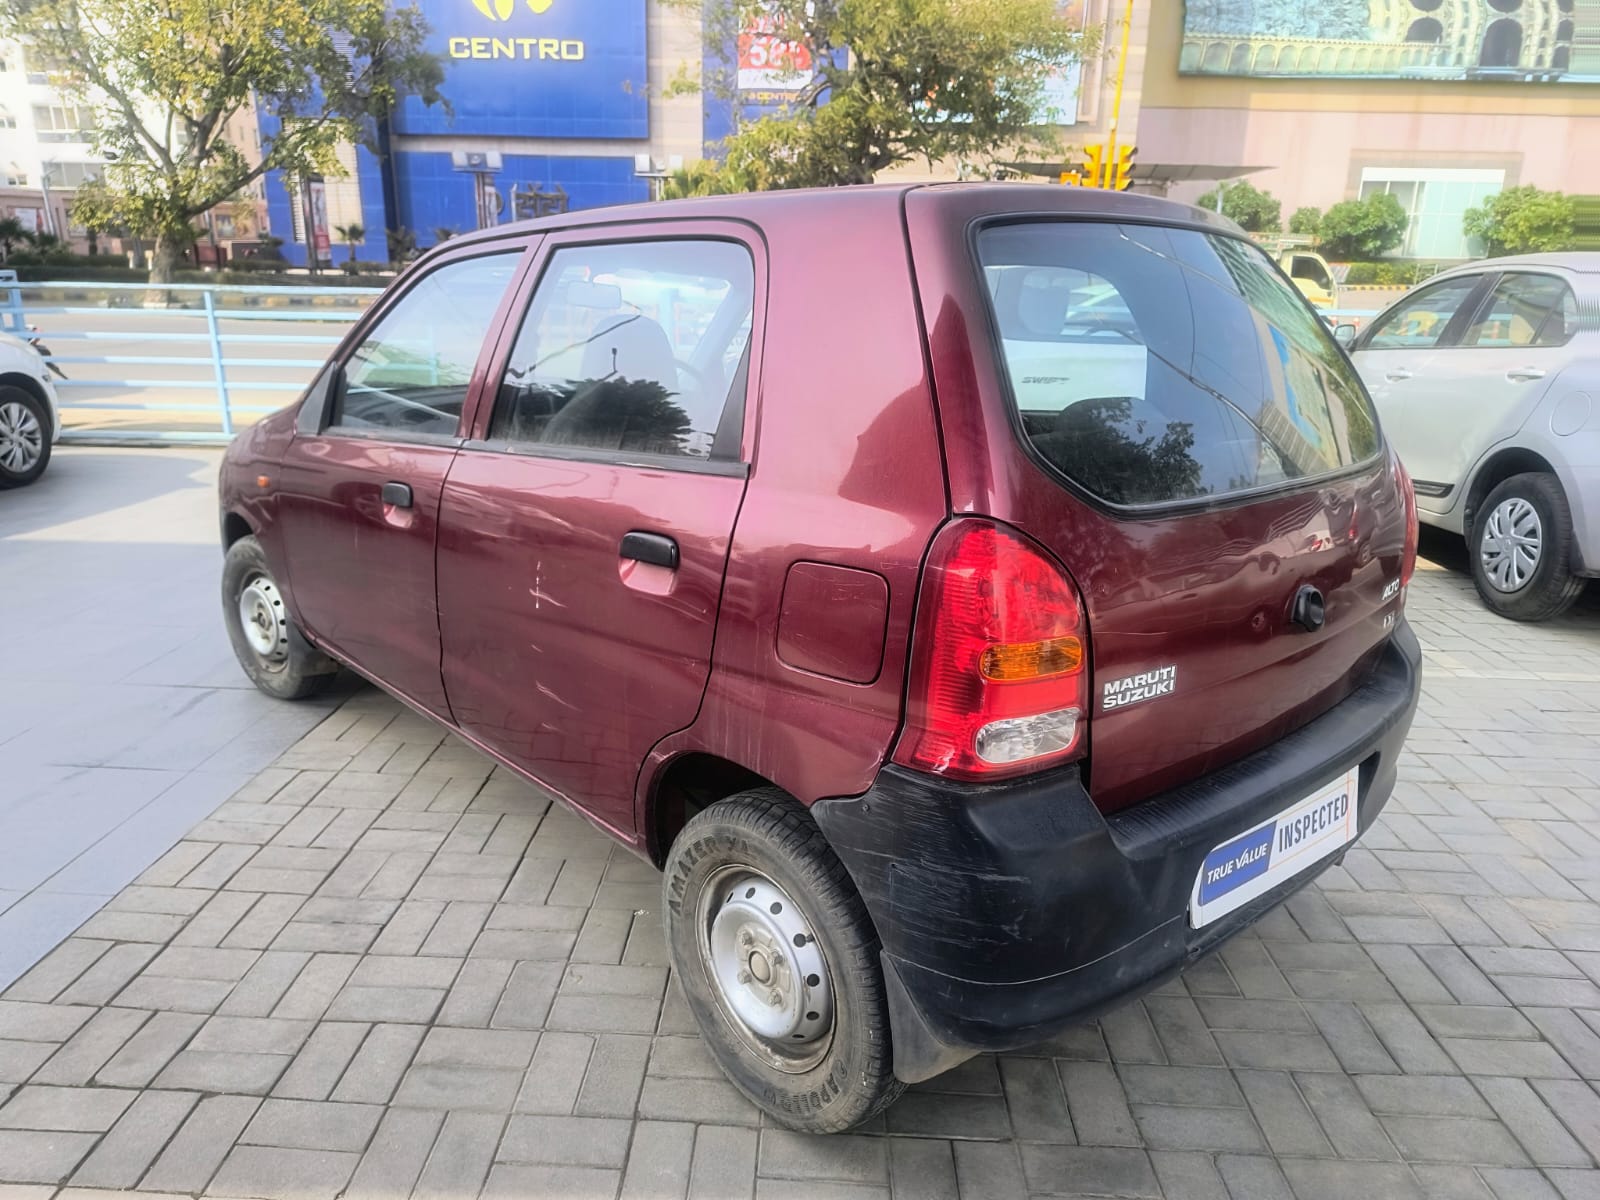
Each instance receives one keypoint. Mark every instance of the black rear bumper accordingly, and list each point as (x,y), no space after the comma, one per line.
(1010,911)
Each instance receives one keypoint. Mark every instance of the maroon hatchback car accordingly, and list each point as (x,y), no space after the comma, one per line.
(980,601)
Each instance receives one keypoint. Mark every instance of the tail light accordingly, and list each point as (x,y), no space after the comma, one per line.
(1408,556)
(999,677)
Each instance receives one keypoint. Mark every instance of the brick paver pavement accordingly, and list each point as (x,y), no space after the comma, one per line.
(384,969)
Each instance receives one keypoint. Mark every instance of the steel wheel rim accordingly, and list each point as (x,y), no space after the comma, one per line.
(21,437)
(263,621)
(1512,544)
(766,969)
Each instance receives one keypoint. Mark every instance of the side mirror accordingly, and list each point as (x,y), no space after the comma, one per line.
(1345,335)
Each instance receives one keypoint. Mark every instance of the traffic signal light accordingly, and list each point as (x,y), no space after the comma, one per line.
(1120,171)
(1094,166)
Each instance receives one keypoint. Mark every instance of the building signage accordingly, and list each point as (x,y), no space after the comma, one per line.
(771,67)
(316,217)
(536,68)
(1526,40)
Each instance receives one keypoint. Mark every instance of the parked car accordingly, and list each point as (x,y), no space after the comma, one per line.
(1488,381)
(958,701)
(29,420)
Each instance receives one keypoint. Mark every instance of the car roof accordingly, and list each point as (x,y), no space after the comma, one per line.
(837,202)
(1586,262)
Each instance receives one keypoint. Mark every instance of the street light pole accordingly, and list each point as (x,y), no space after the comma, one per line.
(44,185)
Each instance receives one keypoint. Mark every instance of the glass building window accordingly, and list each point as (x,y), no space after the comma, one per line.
(57,123)
(1435,199)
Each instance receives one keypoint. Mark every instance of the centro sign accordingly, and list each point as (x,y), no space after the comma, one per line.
(539,48)
(532,69)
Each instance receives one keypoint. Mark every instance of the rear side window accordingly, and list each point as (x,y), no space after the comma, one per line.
(1151,365)
(1525,310)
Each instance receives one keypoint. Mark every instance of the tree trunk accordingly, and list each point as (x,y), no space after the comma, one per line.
(165,259)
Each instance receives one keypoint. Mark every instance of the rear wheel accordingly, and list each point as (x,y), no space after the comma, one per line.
(1521,549)
(271,650)
(779,963)
(24,437)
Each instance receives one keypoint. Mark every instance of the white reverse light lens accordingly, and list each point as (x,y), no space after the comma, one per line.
(1017,739)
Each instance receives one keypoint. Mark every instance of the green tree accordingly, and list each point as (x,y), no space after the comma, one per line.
(1306,221)
(1254,210)
(352,235)
(11,232)
(896,81)
(1361,229)
(402,245)
(703,177)
(1523,220)
(164,81)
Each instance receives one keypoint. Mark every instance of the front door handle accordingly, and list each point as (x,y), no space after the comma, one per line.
(655,548)
(397,495)
(1397,375)
(1524,374)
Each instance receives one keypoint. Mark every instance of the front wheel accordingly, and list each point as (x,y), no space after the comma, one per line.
(25,432)
(779,963)
(1521,549)
(271,650)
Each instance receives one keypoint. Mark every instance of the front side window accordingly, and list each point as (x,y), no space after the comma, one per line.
(1525,310)
(633,347)
(413,369)
(1417,323)
(1151,365)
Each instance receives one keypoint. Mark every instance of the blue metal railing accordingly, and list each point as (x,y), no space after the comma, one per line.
(56,312)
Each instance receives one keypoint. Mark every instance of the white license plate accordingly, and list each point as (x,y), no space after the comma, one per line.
(1261,858)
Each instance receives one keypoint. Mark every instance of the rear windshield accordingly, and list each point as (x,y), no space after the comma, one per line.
(1153,365)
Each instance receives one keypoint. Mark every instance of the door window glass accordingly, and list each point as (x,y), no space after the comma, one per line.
(1525,310)
(1418,322)
(413,369)
(1150,365)
(633,347)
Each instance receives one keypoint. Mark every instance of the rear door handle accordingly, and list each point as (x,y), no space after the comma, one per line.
(656,548)
(397,495)
(1397,375)
(1525,374)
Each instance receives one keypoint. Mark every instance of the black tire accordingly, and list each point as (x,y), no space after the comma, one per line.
(294,669)
(1551,587)
(842,1080)
(38,454)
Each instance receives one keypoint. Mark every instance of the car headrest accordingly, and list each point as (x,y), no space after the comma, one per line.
(634,347)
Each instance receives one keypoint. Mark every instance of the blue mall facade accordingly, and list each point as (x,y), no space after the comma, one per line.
(558,90)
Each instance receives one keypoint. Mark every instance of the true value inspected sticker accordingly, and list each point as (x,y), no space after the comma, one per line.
(1261,858)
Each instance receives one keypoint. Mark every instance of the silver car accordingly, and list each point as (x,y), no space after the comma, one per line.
(29,418)
(1487,380)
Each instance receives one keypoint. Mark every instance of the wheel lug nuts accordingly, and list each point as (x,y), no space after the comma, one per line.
(744,976)
(775,998)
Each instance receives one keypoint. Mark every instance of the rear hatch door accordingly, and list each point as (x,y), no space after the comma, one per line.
(1207,466)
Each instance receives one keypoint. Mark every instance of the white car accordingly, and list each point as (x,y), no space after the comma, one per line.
(1487,380)
(30,421)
